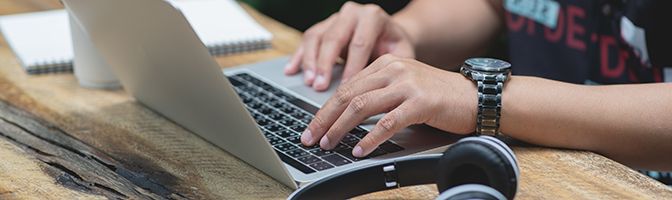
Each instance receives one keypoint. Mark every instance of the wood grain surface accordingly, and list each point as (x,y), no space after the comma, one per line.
(61,141)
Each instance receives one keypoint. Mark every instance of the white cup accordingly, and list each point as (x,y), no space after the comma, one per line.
(89,67)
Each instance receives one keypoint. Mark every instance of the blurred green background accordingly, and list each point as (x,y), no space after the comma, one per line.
(301,14)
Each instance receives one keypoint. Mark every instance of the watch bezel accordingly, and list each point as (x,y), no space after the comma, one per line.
(489,65)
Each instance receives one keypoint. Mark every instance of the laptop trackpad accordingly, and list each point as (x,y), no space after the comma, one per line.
(310,93)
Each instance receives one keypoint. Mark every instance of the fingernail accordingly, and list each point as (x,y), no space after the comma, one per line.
(357,151)
(310,74)
(320,81)
(307,137)
(287,66)
(324,143)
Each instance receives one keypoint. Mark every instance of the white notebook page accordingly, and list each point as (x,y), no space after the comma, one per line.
(42,39)
(50,42)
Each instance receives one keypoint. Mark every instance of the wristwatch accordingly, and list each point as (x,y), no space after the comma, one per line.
(489,74)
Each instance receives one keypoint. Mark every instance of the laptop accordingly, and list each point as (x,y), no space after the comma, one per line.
(254,111)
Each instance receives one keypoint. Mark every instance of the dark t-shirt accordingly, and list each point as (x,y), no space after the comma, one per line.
(604,42)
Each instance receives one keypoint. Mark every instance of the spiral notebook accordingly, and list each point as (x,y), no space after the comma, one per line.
(42,41)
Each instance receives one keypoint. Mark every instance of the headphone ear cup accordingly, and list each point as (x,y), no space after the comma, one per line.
(471,191)
(477,160)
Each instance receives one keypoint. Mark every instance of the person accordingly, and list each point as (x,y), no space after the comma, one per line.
(575,65)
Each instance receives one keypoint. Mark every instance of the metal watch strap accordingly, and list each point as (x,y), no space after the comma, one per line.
(489,104)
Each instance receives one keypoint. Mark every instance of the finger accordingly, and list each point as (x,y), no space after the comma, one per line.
(364,38)
(335,105)
(360,108)
(386,127)
(292,66)
(334,39)
(381,62)
(310,45)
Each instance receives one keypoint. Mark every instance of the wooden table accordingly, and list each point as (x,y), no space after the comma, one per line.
(61,141)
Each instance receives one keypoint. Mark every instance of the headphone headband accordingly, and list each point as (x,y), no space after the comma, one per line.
(486,160)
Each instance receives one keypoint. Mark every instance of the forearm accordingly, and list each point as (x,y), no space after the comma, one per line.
(628,123)
(445,32)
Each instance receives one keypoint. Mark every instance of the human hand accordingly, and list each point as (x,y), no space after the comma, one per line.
(409,91)
(367,31)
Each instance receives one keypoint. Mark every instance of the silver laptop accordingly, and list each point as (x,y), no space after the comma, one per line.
(253,111)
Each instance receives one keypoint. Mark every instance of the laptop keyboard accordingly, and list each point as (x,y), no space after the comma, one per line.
(283,118)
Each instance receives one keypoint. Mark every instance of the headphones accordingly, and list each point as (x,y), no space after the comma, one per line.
(480,167)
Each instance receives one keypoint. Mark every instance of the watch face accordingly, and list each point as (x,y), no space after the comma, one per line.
(487,64)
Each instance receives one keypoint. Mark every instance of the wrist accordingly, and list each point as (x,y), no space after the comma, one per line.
(470,104)
(490,76)
(460,101)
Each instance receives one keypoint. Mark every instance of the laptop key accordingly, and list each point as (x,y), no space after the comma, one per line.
(288,109)
(377,152)
(235,82)
(243,76)
(264,98)
(299,128)
(281,95)
(299,115)
(341,146)
(304,105)
(256,115)
(265,110)
(276,103)
(297,153)
(275,140)
(268,134)
(288,122)
(359,132)
(305,121)
(246,99)
(295,140)
(390,147)
(272,90)
(285,133)
(351,143)
(273,127)
(251,79)
(309,148)
(252,91)
(319,166)
(348,154)
(255,105)
(284,147)
(263,121)
(308,159)
(336,159)
(320,152)
(276,116)
(261,84)
(294,163)
(349,137)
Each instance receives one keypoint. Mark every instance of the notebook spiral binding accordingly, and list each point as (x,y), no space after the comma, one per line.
(47,66)
(228,48)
